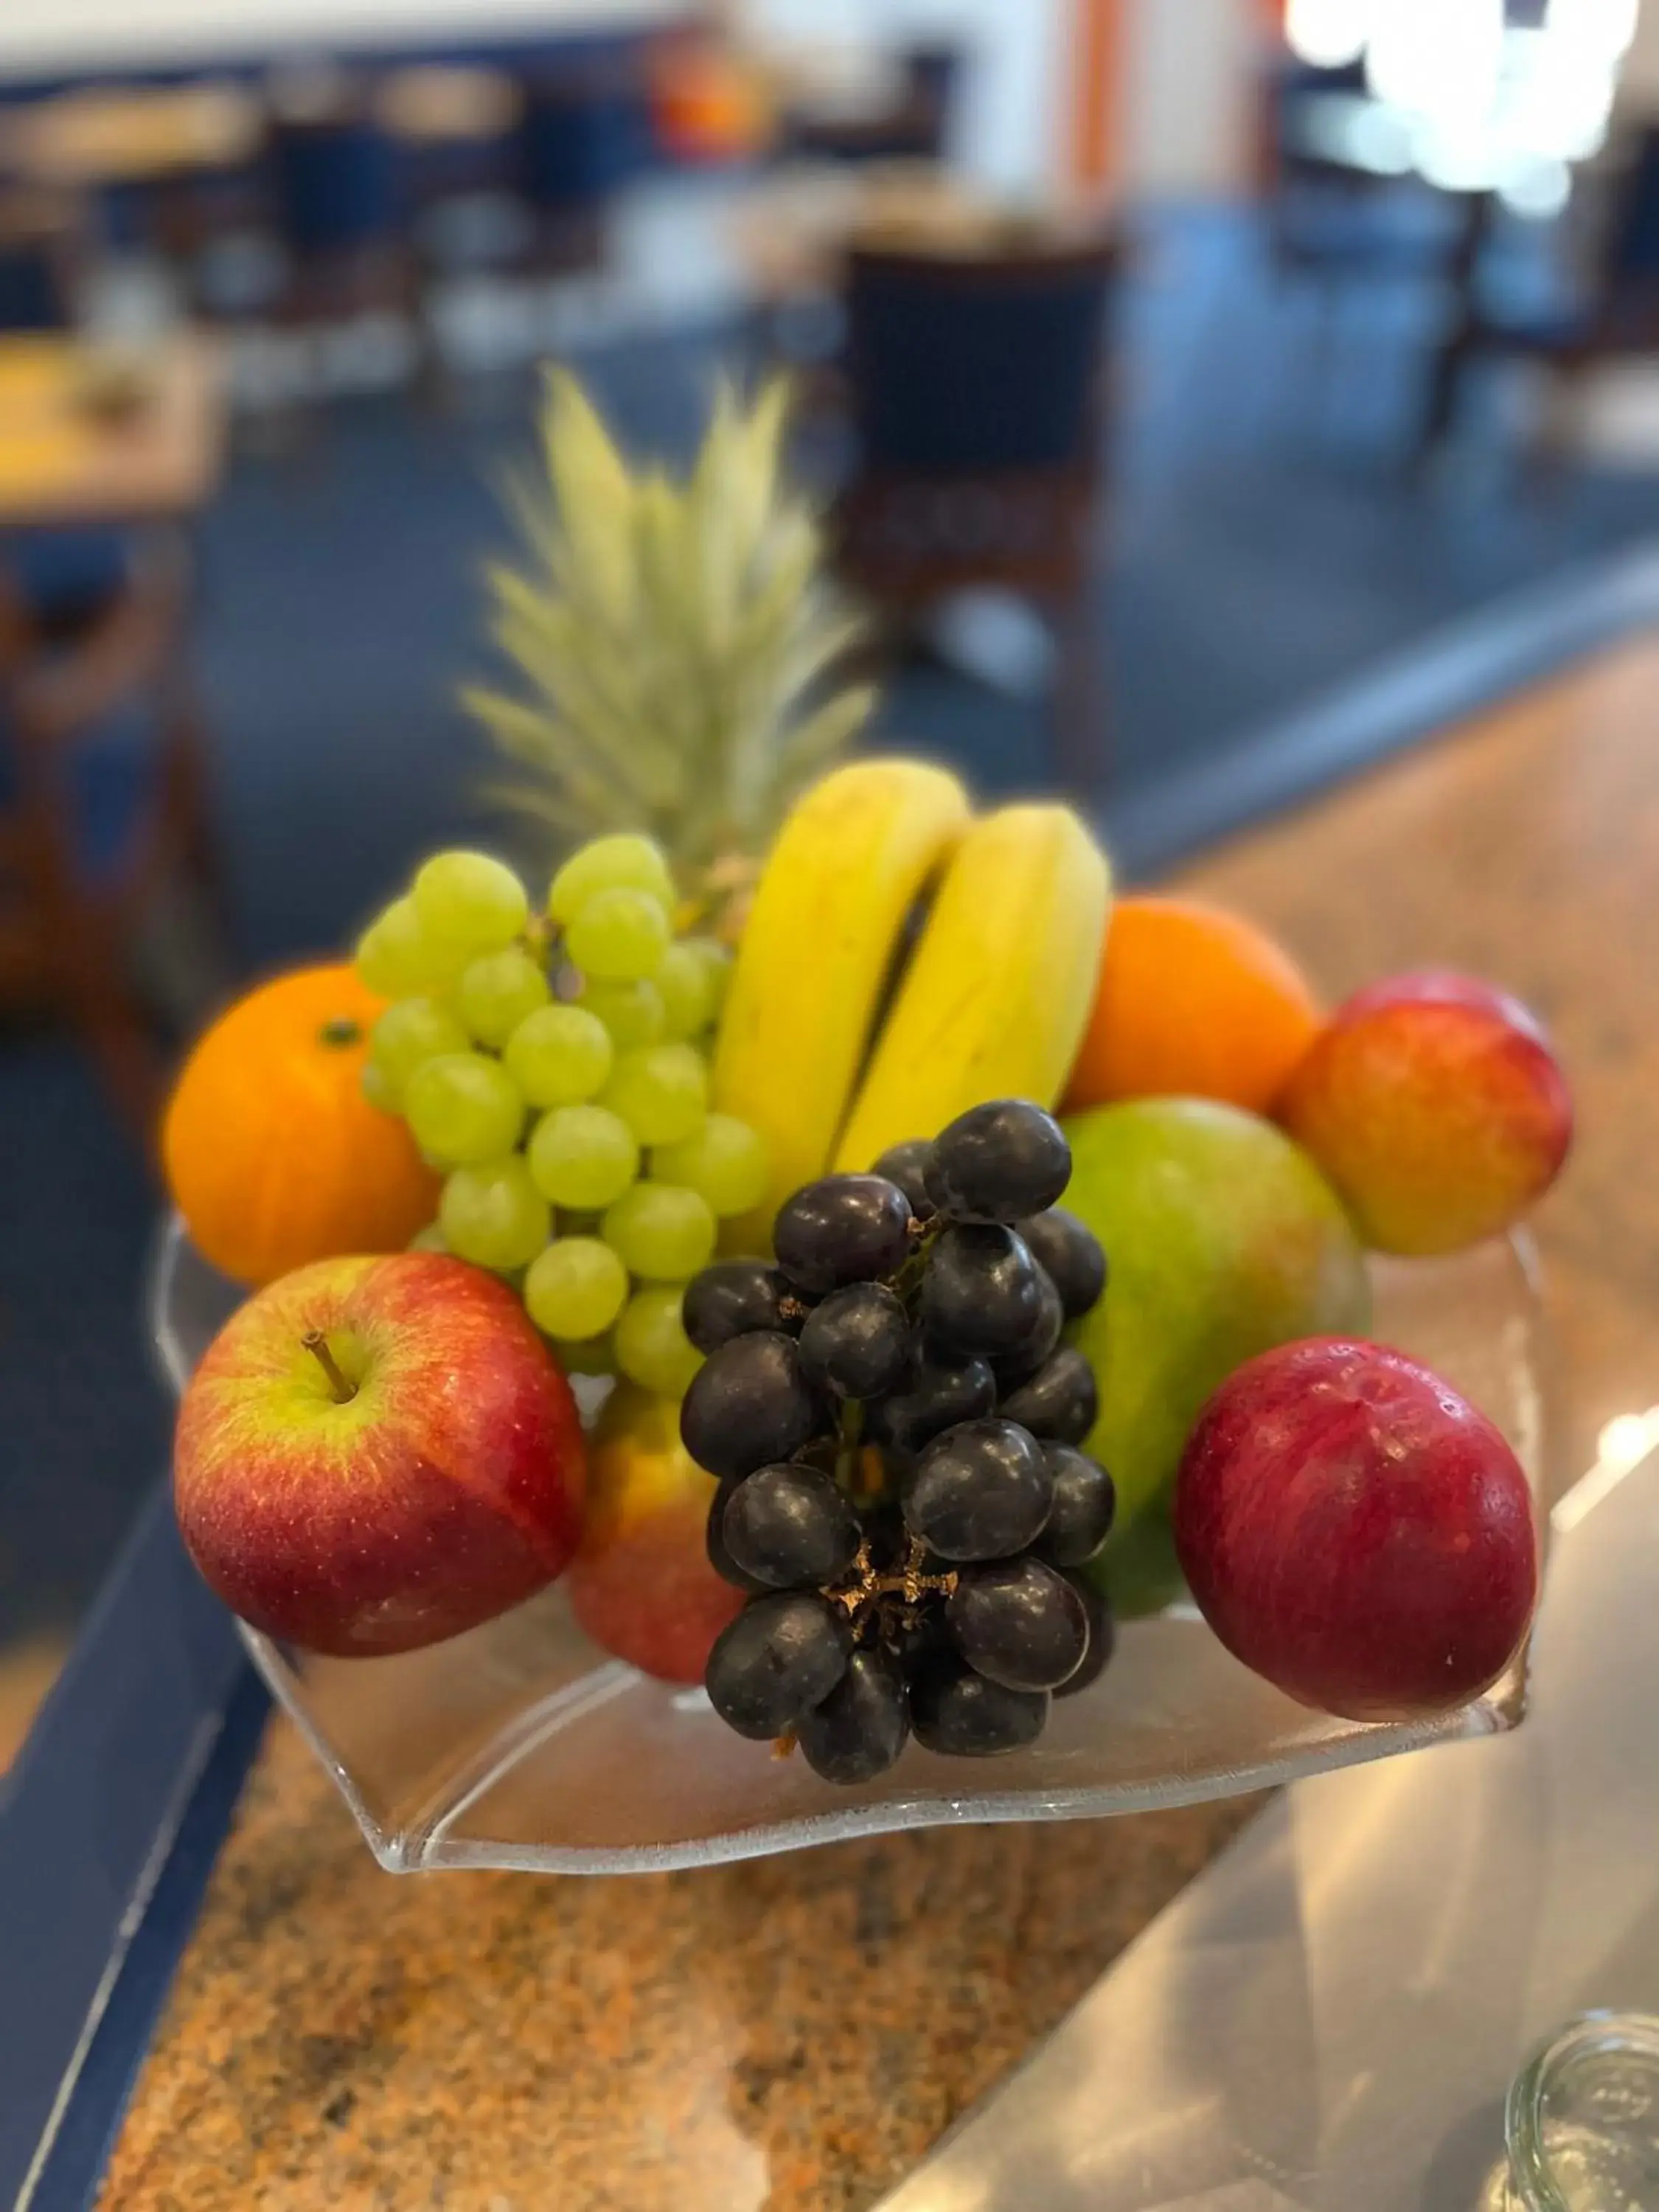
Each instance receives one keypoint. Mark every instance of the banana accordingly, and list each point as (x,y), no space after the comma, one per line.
(857,852)
(998,990)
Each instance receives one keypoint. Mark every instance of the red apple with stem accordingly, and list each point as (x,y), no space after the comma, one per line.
(377,1454)
(1357,1532)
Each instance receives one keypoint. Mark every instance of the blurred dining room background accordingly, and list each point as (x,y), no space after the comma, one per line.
(1166,366)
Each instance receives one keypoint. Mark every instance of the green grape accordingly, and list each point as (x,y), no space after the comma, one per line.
(596,1357)
(715,961)
(575,1289)
(430,1239)
(633,1012)
(661,1091)
(559,1056)
(687,997)
(397,958)
(723,1163)
(409,1034)
(462,1108)
(470,902)
(624,862)
(499,990)
(583,1157)
(665,1234)
(619,936)
(653,1348)
(492,1214)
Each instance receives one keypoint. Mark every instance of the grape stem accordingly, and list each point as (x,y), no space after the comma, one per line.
(924,1235)
(864,1588)
(339,1382)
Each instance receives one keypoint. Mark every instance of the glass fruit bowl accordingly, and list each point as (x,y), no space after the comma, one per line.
(523,1745)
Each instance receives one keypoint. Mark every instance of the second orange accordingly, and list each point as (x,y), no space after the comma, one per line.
(1193,1002)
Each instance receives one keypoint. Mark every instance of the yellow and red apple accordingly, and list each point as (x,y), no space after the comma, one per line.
(642,1585)
(1434,1104)
(376,1454)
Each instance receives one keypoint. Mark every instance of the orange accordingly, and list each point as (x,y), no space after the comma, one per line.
(273,1155)
(1192,1003)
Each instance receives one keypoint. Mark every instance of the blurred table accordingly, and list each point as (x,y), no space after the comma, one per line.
(439,106)
(795,2034)
(94,435)
(85,139)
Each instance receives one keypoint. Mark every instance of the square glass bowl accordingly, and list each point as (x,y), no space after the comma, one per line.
(523,1745)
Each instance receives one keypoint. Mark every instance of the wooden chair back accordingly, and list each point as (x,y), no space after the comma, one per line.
(977,384)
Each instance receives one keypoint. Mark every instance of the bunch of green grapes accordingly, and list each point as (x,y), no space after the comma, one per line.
(555,1067)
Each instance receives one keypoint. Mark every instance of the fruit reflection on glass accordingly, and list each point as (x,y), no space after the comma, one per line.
(1357,1532)
(552,1063)
(908,1547)
(274,1156)
(1435,1105)
(376,1454)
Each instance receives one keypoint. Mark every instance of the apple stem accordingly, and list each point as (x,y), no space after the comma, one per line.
(339,1382)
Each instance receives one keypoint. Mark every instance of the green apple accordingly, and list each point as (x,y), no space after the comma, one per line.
(1223,1240)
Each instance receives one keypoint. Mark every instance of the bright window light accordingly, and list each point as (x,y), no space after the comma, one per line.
(1327,34)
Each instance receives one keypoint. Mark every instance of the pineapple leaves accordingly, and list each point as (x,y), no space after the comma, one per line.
(673,648)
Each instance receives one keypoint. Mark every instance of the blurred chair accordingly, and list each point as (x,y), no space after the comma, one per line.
(586,133)
(915,128)
(978,400)
(340,211)
(1610,312)
(39,259)
(102,811)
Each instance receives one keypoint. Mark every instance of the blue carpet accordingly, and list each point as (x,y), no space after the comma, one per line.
(1262,546)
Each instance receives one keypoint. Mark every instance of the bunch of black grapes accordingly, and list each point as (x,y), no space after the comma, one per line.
(895,1420)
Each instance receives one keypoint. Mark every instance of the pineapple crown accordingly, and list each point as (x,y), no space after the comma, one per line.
(675,644)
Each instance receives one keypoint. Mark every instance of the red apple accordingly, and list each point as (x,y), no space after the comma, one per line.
(375,1454)
(642,1585)
(1433,1103)
(1357,1532)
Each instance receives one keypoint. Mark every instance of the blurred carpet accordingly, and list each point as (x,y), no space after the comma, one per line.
(1262,546)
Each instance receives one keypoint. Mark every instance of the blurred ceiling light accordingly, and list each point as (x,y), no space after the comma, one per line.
(1327,34)
(1380,140)
(1437,58)
(1473,100)
(1567,117)
(1601,27)
(1539,190)
(1453,159)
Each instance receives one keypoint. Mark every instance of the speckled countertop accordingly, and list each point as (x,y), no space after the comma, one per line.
(796,2033)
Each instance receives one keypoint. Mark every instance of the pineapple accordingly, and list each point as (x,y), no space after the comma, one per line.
(676,644)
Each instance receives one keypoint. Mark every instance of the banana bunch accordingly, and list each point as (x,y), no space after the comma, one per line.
(903,961)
